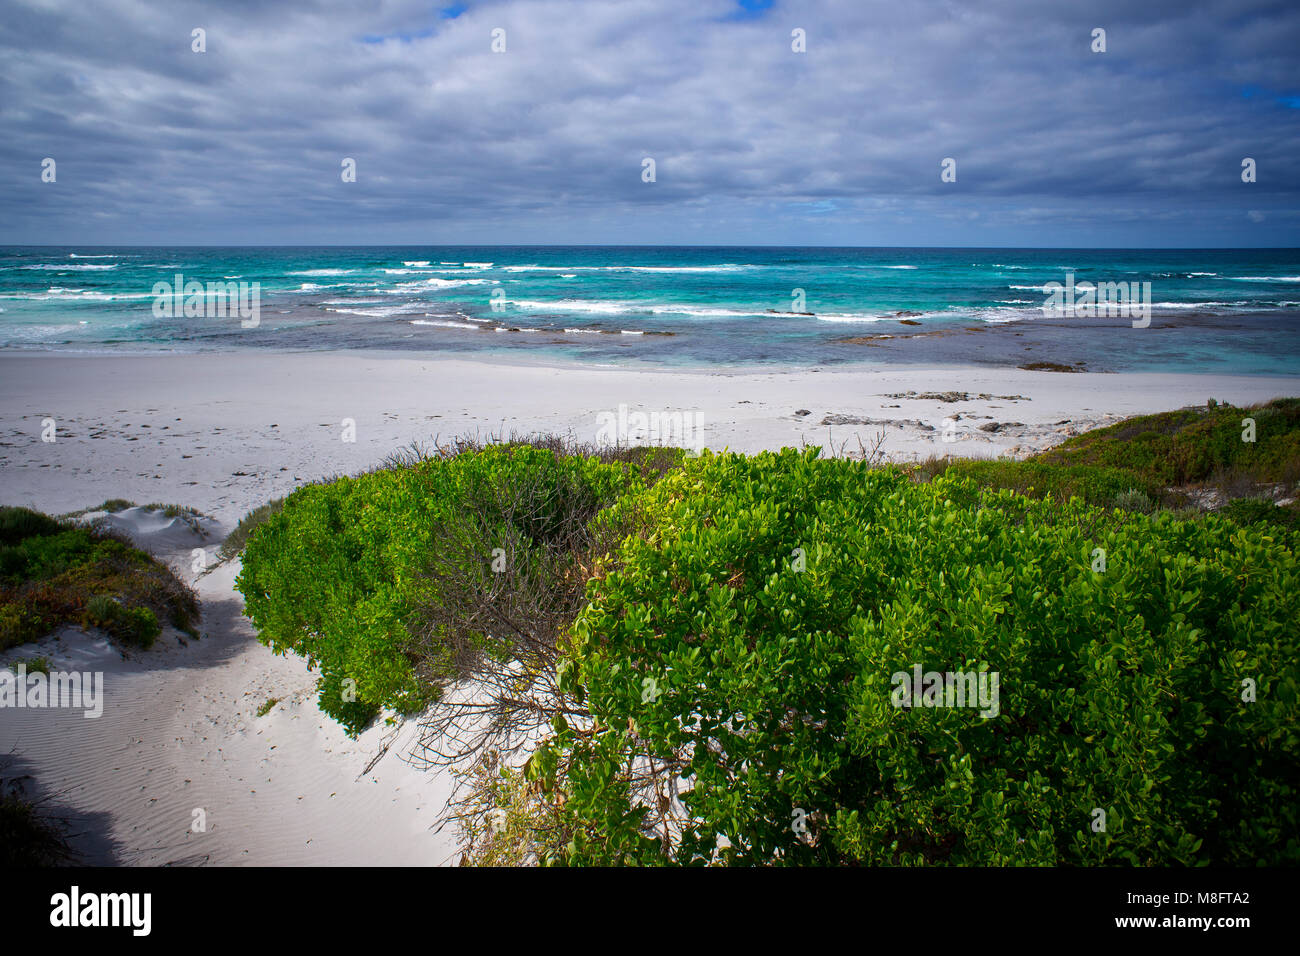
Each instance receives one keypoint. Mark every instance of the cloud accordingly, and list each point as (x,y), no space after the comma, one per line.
(753,142)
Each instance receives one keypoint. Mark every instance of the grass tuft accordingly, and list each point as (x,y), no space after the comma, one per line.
(237,539)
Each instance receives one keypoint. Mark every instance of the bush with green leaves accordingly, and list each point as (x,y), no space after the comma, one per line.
(737,661)
(1194,445)
(355,575)
(132,625)
(56,572)
(19,524)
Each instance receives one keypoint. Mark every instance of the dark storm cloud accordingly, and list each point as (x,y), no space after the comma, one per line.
(1054,144)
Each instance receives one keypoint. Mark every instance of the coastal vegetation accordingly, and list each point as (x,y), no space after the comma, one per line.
(633,656)
(1237,461)
(56,571)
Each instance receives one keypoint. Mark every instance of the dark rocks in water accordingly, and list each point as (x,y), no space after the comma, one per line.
(802,412)
(1050,367)
(998,426)
(783,312)
(908,322)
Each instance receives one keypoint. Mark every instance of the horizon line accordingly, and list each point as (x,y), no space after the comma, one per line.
(608,245)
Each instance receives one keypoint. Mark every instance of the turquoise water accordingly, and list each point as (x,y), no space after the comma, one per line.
(1211,310)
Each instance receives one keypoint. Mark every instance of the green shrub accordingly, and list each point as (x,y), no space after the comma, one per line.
(65,573)
(138,626)
(707,655)
(352,574)
(19,523)
(20,624)
(34,665)
(102,611)
(132,625)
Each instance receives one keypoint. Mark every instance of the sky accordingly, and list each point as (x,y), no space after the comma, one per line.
(753,143)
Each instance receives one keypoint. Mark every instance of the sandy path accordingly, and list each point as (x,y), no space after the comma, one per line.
(180,732)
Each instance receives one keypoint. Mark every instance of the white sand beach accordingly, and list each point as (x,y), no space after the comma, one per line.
(224,433)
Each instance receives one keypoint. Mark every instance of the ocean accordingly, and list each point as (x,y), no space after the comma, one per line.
(1211,310)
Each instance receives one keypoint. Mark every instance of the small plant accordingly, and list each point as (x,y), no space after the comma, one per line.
(1134,500)
(236,540)
(506,819)
(27,838)
(266,707)
(34,665)
(139,626)
(133,625)
(1097,485)
(102,611)
(20,624)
